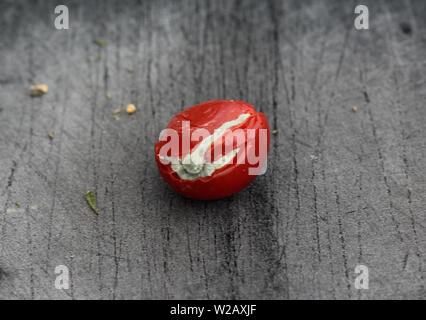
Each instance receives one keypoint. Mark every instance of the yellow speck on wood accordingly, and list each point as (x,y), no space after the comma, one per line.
(51,135)
(18,205)
(130,109)
(108,96)
(354,109)
(38,90)
(274,131)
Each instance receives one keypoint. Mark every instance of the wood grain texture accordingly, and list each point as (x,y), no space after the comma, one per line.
(342,188)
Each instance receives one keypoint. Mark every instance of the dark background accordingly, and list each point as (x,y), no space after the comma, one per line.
(342,188)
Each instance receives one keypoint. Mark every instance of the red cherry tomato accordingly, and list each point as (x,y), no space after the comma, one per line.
(214,149)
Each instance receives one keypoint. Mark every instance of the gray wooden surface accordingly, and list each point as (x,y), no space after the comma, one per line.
(342,188)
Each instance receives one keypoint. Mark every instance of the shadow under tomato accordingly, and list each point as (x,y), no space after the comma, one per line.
(252,198)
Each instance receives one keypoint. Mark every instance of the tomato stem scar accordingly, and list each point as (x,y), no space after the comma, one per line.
(194,166)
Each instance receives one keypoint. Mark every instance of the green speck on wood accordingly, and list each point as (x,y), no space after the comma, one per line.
(100,42)
(91,199)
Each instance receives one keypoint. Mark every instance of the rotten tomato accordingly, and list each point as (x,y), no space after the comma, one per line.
(214,149)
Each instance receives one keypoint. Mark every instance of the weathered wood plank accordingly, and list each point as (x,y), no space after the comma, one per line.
(342,188)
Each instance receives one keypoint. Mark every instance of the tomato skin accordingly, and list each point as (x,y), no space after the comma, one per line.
(229,179)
